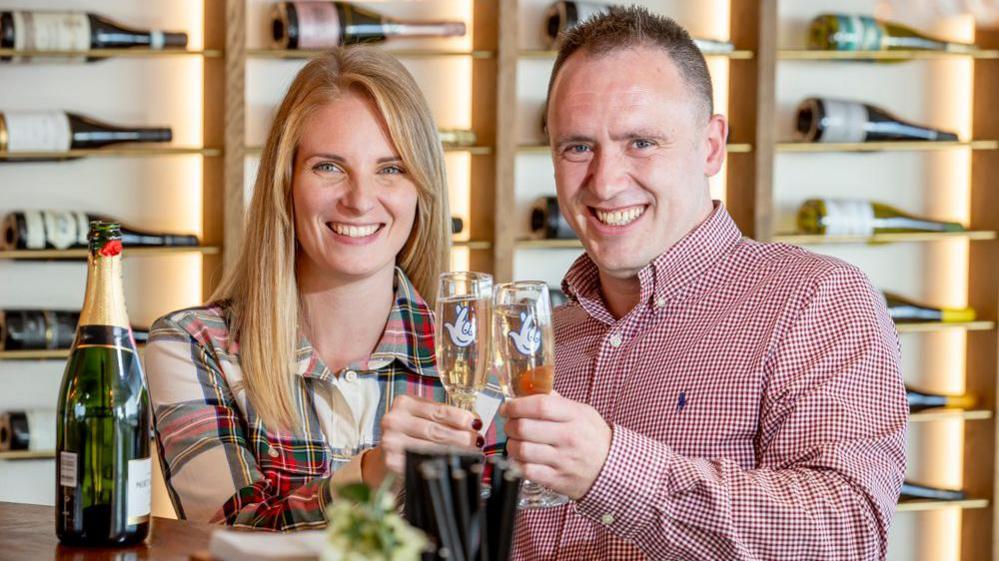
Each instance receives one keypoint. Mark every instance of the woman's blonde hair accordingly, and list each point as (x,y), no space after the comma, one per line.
(261,286)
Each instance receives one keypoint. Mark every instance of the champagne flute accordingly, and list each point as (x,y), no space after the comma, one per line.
(462,335)
(524,357)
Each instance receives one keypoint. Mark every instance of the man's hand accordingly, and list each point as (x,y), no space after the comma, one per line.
(559,443)
(414,423)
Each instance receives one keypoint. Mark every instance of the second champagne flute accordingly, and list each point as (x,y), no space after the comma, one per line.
(462,334)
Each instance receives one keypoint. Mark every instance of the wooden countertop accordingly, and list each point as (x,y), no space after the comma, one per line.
(27,533)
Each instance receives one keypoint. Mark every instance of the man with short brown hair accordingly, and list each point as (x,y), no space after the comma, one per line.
(718,398)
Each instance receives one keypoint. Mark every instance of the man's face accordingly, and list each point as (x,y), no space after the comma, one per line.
(633,150)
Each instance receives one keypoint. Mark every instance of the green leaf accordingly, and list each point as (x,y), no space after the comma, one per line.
(355,492)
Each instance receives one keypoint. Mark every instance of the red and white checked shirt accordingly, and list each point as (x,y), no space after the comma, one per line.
(756,403)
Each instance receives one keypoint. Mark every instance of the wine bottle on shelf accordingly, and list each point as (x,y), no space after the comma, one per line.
(844,32)
(457,225)
(103,464)
(822,119)
(323,25)
(920,400)
(903,310)
(60,131)
(54,229)
(858,217)
(914,491)
(37,329)
(563,16)
(547,222)
(81,32)
(457,137)
(32,429)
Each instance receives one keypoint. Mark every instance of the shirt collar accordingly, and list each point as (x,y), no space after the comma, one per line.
(408,337)
(663,278)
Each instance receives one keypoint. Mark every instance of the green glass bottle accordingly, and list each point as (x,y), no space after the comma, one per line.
(858,217)
(846,32)
(103,467)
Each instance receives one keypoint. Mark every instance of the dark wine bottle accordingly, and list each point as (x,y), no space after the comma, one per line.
(920,400)
(323,25)
(34,329)
(103,468)
(53,229)
(547,221)
(821,119)
(59,131)
(845,32)
(33,429)
(914,491)
(903,310)
(457,225)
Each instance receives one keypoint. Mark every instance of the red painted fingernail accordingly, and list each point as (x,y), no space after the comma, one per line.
(480,442)
(476,424)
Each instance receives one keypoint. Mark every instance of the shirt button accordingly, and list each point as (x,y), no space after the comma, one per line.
(607,519)
(350,376)
(660,302)
(615,340)
(272,452)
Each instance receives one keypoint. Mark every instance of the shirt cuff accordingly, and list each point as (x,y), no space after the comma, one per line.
(349,473)
(625,496)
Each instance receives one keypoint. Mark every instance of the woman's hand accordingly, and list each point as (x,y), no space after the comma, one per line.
(414,423)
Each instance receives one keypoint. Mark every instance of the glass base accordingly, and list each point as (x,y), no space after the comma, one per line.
(533,496)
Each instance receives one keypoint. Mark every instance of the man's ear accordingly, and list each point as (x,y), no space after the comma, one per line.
(716,135)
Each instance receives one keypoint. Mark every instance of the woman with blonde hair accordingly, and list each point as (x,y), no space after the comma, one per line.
(313,365)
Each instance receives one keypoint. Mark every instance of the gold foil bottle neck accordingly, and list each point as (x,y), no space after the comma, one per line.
(104,302)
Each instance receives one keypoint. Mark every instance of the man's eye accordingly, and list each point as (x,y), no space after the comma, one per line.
(643,143)
(578,149)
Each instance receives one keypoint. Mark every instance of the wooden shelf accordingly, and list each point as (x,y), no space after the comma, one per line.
(815,55)
(114,53)
(548,244)
(923,505)
(48,254)
(116,152)
(548,54)
(947,414)
(930,326)
(254,151)
(401,53)
(27,455)
(734,148)
(471,244)
(818,239)
(886,146)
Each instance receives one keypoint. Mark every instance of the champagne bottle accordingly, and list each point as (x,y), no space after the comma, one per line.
(821,119)
(548,222)
(33,429)
(34,329)
(59,131)
(843,32)
(323,25)
(563,16)
(22,30)
(915,491)
(103,465)
(857,217)
(920,400)
(53,229)
(903,310)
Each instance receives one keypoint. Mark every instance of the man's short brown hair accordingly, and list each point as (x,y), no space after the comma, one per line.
(621,27)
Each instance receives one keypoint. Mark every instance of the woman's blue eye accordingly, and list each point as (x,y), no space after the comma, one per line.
(392,170)
(325,167)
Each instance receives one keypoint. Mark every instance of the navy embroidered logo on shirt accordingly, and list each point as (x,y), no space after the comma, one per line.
(681,402)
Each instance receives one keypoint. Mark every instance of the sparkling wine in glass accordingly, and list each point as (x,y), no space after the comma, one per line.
(462,335)
(524,357)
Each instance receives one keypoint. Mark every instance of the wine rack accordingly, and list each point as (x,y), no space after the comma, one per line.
(885,146)
(899,55)
(121,152)
(398,53)
(115,53)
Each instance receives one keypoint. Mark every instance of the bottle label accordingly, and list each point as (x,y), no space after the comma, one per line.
(318,25)
(65,229)
(859,33)
(844,121)
(37,131)
(41,429)
(51,31)
(67,469)
(140,486)
(849,217)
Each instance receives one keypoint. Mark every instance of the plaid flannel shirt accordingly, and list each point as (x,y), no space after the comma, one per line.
(222,464)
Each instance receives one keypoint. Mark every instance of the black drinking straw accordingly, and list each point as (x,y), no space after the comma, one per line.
(510,496)
(449,544)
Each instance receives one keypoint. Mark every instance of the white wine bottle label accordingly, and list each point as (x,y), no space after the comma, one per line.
(41,429)
(35,224)
(65,229)
(844,121)
(140,485)
(318,25)
(67,469)
(51,31)
(849,217)
(37,131)
(860,33)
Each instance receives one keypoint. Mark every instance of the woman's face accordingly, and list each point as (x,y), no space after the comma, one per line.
(354,200)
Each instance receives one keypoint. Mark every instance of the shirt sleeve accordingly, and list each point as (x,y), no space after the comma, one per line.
(207,460)
(830,449)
